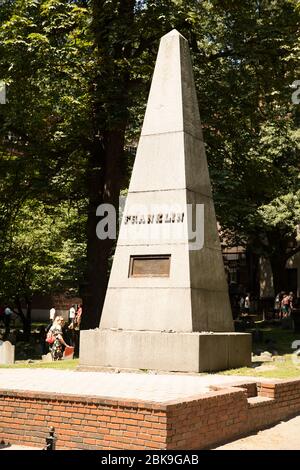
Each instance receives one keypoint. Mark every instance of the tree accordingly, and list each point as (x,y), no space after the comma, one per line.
(43,255)
(250,123)
(279,220)
(79,73)
(42,51)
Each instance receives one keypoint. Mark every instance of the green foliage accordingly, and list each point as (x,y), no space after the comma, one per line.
(66,365)
(246,57)
(79,70)
(45,61)
(43,253)
(283,213)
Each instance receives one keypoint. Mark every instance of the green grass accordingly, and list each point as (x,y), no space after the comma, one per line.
(277,339)
(68,364)
(274,338)
(283,369)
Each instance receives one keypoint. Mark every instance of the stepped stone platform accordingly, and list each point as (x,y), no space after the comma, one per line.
(142,411)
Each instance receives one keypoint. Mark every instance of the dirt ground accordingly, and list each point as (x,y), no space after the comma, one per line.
(283,436)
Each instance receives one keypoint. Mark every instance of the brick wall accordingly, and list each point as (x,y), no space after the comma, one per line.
(230,413)
(197,424)
(80,422)
(99,423)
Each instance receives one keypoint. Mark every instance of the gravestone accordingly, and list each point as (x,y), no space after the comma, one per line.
(7,353)
(167,305)
(47,357)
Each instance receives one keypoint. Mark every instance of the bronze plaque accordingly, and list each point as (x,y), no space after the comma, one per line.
(149,266)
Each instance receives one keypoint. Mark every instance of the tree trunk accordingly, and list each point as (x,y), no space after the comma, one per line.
(20,313)
(112,27)
(253,272)
(26,325)
(104,187)
(278,263)
(28,318)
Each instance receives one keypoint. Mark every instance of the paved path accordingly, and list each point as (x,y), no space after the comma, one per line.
(283,436)
(140,386)
(15,447)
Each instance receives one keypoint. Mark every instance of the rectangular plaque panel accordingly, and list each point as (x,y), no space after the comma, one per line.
(149,266)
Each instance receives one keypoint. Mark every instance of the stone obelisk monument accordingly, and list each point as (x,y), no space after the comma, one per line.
(167,305)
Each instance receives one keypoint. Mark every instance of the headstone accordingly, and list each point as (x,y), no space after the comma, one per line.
(167,305)
(7,353)
(47,357)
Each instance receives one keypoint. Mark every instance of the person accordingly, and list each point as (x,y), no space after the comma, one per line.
(78,316)
(291,302)
(52,313)
(72,313)
(247,304)
(277,305)
(69,331)
(285,306)
(42,340)
(59,343)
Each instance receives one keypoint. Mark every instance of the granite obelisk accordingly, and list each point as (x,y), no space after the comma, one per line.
(167,305)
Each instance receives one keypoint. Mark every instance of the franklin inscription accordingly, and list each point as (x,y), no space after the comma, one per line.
(171,218)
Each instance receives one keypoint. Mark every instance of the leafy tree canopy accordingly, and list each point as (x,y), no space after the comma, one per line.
(78,74)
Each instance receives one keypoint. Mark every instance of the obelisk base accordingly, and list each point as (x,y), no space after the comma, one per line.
(164,351)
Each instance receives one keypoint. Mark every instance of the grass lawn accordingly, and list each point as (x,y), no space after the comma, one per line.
(68,364)
(281,368)
(276,340)
(269,338)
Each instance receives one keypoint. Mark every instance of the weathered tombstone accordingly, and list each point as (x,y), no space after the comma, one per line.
(167,305)
(7,353)
(47,357)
